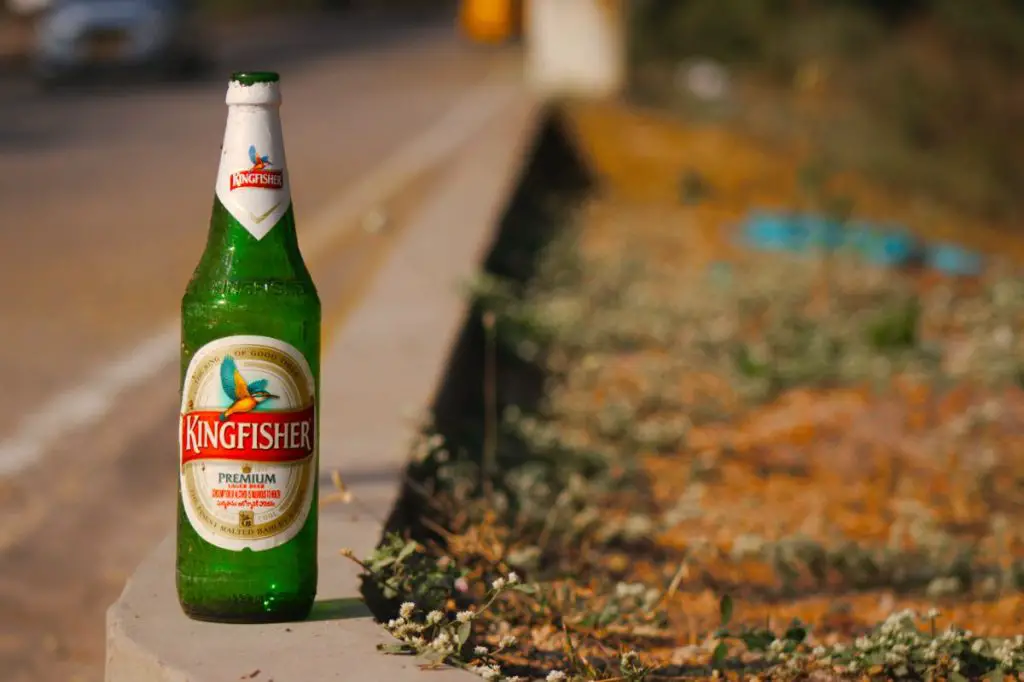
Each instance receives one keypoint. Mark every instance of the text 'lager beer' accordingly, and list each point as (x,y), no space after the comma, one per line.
(250,362)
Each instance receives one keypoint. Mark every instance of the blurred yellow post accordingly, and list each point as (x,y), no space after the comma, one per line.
(491,21)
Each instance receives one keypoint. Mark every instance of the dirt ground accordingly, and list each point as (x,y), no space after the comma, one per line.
(817,465)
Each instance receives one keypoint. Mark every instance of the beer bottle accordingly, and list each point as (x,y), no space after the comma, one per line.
(250,356)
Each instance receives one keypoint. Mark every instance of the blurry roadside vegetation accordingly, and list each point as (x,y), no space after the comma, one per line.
(925,95)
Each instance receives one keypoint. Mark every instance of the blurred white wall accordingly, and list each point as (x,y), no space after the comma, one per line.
(576,47)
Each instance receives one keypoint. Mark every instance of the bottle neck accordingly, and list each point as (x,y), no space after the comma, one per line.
(252,180)
(252,228)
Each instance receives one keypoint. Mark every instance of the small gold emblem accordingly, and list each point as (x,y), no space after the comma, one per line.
(245,518)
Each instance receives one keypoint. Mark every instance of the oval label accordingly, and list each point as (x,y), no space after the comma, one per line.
(247,442)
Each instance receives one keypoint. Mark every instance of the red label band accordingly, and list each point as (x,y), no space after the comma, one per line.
(262,179)
(249,436)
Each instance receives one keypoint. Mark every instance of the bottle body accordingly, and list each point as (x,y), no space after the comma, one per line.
(250,355)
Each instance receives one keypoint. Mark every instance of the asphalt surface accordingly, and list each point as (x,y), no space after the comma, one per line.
(104,204)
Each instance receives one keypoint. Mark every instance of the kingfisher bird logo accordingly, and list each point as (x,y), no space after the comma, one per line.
(244,396)
(261,174)
(258,162)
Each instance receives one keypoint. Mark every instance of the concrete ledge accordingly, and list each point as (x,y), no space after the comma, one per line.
(388,361)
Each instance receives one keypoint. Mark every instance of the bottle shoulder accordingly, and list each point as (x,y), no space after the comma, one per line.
(235,264)
(214,288)
(217,289)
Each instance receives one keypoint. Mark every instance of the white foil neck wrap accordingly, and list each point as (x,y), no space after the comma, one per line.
(257,94)
(252,182)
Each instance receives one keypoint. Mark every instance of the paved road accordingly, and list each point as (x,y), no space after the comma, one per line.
(104,203)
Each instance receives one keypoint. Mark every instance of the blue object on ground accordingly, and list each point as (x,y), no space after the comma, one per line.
(879,244)
(822,233)
(772,232)
(769,231)
(890,249)
(951,259)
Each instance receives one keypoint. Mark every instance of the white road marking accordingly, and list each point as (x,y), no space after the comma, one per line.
(93,399)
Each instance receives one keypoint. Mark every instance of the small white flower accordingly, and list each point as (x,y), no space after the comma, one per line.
(625,590)
(933,613)
(507,641)
(480,651)
(464,616)
(515,678)
(488,672)
(498,583)
(513,578)
(555,676)
(405,611)
(441,643)
(978,646)
(434,617)
(630,660)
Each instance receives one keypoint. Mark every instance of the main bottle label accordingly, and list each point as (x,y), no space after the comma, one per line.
(252,182)
(247,442)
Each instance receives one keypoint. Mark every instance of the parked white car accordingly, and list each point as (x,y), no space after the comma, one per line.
(76,36)
(26,8)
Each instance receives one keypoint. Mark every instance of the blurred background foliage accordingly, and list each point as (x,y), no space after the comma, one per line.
(925,93)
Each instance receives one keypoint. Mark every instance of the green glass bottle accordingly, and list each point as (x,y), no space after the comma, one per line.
(250,364)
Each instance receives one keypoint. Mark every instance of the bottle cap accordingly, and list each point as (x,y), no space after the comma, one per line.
(254,88)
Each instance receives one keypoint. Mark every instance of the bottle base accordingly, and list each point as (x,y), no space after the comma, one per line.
(225,613)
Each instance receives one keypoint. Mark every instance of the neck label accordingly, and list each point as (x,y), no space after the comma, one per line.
(252,182)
